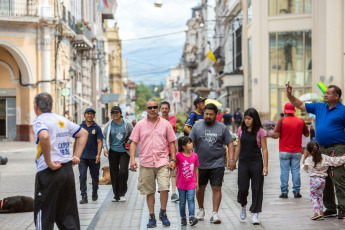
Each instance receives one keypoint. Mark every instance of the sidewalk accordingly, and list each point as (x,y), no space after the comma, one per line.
(17,178)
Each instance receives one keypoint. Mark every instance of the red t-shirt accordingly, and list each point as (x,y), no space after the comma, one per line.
(291,129)
(219,117)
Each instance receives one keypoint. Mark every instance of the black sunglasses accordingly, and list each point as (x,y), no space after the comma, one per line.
(152,107)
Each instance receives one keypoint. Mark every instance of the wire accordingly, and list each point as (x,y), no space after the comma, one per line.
(155,36)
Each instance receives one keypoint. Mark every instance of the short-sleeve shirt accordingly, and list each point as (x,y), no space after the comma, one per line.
(219,117)
(227,118)
(329,124)
(193,118)
(60,129)
(261,133)
(118,136)
(95,133)
(152,139)
(172,121)
(185,174)
(209,141)
(291,129)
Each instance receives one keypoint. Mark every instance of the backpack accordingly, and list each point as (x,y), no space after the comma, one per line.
(184,132)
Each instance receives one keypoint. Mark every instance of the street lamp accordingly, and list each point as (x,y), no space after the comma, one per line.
(158,3)
(71,72)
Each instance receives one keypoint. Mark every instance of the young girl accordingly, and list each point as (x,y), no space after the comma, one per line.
(317,166)
(252,137)
(187,178)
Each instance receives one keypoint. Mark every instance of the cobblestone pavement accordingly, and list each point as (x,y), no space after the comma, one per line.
(17,178)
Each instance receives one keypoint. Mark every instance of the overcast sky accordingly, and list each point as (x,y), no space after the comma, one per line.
(149,60)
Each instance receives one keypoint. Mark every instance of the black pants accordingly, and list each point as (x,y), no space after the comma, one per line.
(119,162)
(55,199)
(251,171)
(94,172)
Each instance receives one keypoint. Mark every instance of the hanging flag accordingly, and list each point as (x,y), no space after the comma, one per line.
(211,56)
(105,3)
(100,6)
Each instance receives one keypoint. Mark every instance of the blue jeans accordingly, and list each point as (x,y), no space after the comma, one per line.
(287,161)
(189,196)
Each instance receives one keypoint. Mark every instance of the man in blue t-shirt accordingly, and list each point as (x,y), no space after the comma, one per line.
(90,156)
(330,135)
(228,119)
(195,116)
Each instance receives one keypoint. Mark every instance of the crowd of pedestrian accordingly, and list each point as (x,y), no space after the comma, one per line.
(188,164)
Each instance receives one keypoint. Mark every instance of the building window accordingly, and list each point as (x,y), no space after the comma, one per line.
(237,49)
(250,79)
(249,10)
(290,61)
(279,7)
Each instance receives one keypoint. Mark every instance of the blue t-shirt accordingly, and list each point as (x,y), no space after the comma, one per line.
(117,136)
(329,124)
(227,118)
(194,117)
(95,132)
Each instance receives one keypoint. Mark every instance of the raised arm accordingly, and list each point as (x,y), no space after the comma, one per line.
(295,101)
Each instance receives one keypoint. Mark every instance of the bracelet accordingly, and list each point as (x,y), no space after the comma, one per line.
(231,160)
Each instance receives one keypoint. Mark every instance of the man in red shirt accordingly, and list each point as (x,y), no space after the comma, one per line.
(289,130)
(165,110)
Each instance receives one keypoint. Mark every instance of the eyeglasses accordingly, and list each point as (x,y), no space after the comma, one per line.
(152,107)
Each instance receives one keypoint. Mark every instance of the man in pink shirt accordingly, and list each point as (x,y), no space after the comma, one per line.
(165,110)
(153,133)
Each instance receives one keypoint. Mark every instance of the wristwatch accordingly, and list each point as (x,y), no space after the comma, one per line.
(174,160)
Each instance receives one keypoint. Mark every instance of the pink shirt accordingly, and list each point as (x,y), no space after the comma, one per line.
(261,133)
(153,151)
(172,121)
(185,175)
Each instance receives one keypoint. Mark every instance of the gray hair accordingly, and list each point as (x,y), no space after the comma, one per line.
(151,100)
(44,102)
(227,110)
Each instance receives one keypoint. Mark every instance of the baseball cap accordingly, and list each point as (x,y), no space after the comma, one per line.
(116,109)
(198,100)
(289,108)
(90,110)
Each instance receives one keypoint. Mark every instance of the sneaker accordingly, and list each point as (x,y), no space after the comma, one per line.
(215,218)
(316,216)
(193,221)
(122,199)
(243,213)
(255,219)
(164,218)
(201,214)
(183,221)
(341,214)
(83,200)
(94,195)
(152,221)
(283,195)
(329,213)
(174,198)
(297,195)
(114,199)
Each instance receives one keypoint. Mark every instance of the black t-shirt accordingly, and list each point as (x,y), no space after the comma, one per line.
(227,118)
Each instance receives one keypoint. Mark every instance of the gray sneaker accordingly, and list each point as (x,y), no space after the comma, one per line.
(174,198)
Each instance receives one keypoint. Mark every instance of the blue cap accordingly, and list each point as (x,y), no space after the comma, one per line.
(90,110)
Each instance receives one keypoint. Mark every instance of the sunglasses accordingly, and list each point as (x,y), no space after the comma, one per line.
(152,107)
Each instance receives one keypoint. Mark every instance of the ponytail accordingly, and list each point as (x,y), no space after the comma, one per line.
(314,149)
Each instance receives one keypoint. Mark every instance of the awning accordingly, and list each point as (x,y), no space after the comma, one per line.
(81,100)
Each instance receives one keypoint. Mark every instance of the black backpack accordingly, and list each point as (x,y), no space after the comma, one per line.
(195,116)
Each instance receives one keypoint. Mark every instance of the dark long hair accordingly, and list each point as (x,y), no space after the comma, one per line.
(183,141)
(256,120)
(314,150)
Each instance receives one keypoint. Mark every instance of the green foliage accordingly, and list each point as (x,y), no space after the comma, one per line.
(144,93)
(180,120)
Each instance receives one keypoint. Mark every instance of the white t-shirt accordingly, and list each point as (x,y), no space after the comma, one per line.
(60,130)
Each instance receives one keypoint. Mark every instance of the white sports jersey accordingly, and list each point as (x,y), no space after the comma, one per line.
(60,130)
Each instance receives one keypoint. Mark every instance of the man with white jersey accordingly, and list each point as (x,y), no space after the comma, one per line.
(55,193)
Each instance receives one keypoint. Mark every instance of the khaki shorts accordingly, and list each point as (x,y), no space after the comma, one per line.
(172,172)
(147,179)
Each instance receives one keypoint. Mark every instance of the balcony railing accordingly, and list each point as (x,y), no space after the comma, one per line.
(18,7)
(84,29)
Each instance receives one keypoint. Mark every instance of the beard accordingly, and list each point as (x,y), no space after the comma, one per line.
(209,121)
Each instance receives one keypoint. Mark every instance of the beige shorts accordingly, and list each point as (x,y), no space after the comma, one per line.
(172,172)
(147,179)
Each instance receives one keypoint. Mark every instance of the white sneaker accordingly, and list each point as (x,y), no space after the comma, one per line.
(201,214)
(122,199)
(255,219)
(215,218)
(243,213)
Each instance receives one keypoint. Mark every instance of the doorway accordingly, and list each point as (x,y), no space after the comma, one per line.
(8,118)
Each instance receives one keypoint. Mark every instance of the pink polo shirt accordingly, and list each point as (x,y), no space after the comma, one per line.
(153,151)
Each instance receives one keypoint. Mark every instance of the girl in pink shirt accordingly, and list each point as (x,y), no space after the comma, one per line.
(187,178)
